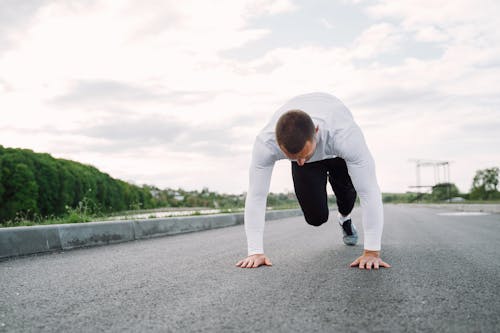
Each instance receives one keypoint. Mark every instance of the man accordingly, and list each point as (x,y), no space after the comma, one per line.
(318,134)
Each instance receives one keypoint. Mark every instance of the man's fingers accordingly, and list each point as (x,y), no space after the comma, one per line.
(254,262)
(383,263)
(376,263)
(355,263)
(369,262)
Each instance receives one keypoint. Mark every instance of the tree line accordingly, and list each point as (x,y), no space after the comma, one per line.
(34,184)
(39,185)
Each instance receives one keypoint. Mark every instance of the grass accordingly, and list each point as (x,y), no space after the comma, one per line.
(84,213)
(87,211)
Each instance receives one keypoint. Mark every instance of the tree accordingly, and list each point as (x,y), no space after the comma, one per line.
(444,191)
(484,184)
(33,183)
(20,192)
(1,186)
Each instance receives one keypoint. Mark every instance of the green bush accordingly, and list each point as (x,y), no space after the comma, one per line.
(38,185)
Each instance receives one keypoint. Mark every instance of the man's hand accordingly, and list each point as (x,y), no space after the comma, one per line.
(368,259)
(254,261)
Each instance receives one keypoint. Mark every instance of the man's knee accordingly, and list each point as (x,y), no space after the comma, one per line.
(316,219)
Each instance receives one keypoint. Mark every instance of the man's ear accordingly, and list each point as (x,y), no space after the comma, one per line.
(317,128)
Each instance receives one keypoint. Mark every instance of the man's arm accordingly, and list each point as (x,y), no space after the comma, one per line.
(261,168)
(361,168)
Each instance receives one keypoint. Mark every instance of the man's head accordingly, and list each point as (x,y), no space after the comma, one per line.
(295,135)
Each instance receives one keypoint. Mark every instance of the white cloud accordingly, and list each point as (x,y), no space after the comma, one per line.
(268,7)
(82,76)
(326,23)
(462,20)
(430,34)
(433,11)
(376,40)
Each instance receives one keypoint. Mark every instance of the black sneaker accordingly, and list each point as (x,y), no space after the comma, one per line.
(350,233)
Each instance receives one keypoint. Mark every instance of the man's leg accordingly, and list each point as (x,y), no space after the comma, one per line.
(342,186)
(309,182)
(346,197)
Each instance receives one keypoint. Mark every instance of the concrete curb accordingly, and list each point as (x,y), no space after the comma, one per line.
(19,241)
(487,208)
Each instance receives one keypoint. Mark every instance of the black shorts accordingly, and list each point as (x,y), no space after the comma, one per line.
(309,182)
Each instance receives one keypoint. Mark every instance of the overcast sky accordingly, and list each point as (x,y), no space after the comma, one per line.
(173,93)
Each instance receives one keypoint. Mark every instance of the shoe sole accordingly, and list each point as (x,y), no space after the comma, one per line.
(351,242)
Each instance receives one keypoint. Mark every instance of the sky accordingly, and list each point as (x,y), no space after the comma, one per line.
(173,93)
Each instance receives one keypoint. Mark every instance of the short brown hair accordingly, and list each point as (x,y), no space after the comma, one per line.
(293,130)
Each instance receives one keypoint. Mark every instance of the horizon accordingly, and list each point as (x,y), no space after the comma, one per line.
(173,94)
(183,189)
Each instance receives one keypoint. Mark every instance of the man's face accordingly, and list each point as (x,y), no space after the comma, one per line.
(305,154)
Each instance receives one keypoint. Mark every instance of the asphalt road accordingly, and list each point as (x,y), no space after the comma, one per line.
(445,277)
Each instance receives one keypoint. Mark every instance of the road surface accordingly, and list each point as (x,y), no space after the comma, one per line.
(445,278)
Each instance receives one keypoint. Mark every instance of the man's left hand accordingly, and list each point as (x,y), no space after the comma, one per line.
(369,259)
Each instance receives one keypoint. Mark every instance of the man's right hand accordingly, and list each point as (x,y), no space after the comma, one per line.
(254,261)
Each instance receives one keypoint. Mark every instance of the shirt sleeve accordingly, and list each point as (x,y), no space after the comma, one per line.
(361,168)
(261,168)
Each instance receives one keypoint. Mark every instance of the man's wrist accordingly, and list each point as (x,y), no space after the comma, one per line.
(371,253)
(254,253)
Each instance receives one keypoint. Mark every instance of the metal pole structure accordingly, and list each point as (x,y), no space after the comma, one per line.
(418,176)
(437,165)
(447,170)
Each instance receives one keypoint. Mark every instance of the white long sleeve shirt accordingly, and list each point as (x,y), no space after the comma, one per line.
(338,136)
